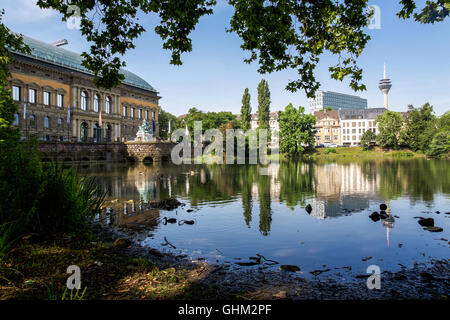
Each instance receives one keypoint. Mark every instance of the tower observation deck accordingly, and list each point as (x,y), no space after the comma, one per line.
(385,85)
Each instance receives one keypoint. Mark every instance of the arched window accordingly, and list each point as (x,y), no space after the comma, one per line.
(108,105)
(32,121)
(96,103)
(46,122)
(97,133)
(108,133)
(60,121)
(83,100)
(84,132)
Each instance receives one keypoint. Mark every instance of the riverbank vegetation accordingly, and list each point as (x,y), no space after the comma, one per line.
(359,152)
(419,130)
(35,198)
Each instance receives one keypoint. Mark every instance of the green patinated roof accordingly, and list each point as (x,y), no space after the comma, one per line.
(58,56)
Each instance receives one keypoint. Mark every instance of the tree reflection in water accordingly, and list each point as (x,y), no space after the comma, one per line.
(332,188)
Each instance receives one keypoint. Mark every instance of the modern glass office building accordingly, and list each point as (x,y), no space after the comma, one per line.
(335,101)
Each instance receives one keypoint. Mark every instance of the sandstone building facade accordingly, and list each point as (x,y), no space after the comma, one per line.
(50,79)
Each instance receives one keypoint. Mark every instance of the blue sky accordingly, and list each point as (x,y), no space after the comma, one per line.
(213,76)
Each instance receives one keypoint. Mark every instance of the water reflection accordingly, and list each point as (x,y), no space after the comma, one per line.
(241,212)
(332,189)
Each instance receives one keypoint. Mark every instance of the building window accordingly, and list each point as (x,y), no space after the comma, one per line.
(153,115)
(336,138)
(32,121)
(60,121)
(132,112)
(16,93)
(83,100)
(140,113)
(108,105)
(46,122)
(108,133)
(46,98)
(146,114)
(96,103)
(16,119)
(31,95)
(124,111)
(97,133)
(59,100)
(84,132)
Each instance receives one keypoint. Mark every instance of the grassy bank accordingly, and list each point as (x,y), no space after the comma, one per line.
(36,269)
(358,152)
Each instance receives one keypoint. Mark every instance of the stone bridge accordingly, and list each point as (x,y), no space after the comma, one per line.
(118,152)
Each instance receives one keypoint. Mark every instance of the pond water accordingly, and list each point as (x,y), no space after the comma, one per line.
(238,212)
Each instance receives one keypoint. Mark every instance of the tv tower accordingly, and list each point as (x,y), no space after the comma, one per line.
(385,85)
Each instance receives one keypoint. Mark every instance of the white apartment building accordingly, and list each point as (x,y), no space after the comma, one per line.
(274,123)
(355,122)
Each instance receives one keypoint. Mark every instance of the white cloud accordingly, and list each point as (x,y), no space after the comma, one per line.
(25,11)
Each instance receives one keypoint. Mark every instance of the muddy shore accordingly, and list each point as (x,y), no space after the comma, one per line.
(423,281)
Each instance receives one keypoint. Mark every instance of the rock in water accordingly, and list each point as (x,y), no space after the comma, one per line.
(289,267)
(375,216)
(426,222)
(155,252)
(308,209)
(122,243)
(434,229)
(383,207)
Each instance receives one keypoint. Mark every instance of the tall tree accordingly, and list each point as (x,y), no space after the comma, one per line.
(278,34)
(263,105)
(440,145)
(419,129)
(367,138)
(246,111)
(389,126)
(163,118)
(296,131)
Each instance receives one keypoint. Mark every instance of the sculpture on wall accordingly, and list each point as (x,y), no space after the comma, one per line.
(145,132)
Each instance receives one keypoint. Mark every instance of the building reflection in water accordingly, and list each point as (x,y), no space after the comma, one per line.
(332,189)
(342,189)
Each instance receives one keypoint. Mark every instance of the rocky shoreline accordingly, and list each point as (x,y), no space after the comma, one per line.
(430,281)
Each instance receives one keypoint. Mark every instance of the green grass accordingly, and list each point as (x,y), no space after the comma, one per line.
(353,152)
(38,271)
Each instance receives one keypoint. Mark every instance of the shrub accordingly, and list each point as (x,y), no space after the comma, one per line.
(330,150)
(440,145)
(42,199)
(66,200)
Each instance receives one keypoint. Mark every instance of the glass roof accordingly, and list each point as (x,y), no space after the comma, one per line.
(72,60)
